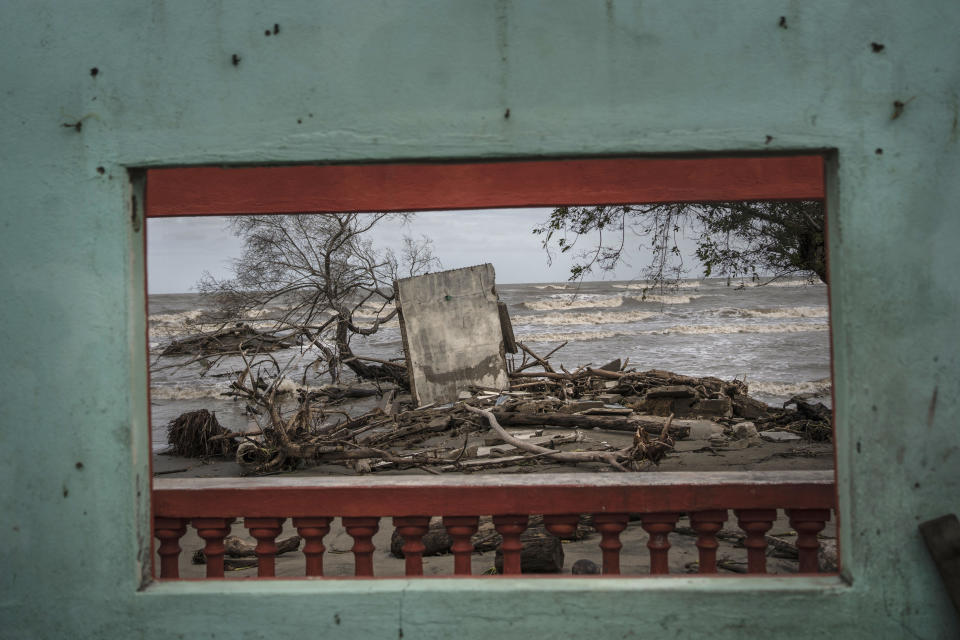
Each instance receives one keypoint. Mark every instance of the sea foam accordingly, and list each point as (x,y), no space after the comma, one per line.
(575,317)
(720,329)
(571,336)
(573,302)
(787,389)
(775,312)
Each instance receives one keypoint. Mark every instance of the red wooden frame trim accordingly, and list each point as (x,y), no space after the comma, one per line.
(195,191)
(491,495)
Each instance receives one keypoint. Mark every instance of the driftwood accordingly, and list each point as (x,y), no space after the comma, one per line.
(229,340)
(641,450)
(609,423)
(438,439)
(237,548)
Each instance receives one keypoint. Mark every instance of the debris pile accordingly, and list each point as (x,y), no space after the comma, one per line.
(240,337)
(197,434)
(541,418)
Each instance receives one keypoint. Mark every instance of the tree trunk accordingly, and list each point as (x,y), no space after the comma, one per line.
(610,423)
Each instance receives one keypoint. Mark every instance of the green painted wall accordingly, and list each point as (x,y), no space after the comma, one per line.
(364,80)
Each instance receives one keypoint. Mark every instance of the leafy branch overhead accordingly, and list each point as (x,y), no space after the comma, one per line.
(733,239)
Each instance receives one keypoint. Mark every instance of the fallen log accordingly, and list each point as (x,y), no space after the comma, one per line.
(238,548)
(566,420)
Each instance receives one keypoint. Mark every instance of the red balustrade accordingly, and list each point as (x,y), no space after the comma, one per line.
(213,531)
(265,530)
(313,530)
(659,499)
(756,523)
(707,524)
(510,527)
(362,531)
(808,523)
(659,526)
(412,529)
(169,531)
(461,529)
(610,525)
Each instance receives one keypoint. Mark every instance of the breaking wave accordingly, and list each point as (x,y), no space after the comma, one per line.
(571,336)
(571,302)
(788,282)
(665,298)
(775,312)
(720,329)
(561,287)
(185,393)
(597,317)
(787,389)
(175,318)
(639,286)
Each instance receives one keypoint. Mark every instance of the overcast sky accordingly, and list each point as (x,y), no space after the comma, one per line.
(179,250)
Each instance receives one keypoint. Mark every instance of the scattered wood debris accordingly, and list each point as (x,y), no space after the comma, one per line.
(228,340)
(490,428)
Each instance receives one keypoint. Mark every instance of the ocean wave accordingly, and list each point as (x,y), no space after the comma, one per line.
(179,392)
(668,298)
(597,317)
(720,329)
(776,312)
(175,318)
(186,393)
(639,286)
(571,336)
(787,282)
(560,287)
(573,302)
(787,389)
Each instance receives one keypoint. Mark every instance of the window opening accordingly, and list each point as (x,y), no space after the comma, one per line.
(773,336)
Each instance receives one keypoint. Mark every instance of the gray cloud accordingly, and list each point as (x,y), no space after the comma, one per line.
(179,250)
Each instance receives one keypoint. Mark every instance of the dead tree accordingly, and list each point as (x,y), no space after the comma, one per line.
(318,280)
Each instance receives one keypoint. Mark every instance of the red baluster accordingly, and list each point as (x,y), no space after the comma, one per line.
(461,529)
(659,526)
(213,531)
(756,523)
(265,530)
(808,523)
(563,526)
(312,530)
(510,527)
(169,531)
(707,524)
(413,528)
(610,525)
(362,530)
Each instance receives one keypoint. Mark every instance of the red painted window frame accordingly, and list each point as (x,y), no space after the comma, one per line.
(415,186)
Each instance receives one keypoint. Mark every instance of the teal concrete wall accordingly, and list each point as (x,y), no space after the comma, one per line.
(364,80)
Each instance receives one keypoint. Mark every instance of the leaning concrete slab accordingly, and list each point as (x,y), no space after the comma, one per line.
(452,332)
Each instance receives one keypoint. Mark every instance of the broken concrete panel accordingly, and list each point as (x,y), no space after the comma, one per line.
(452,335)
